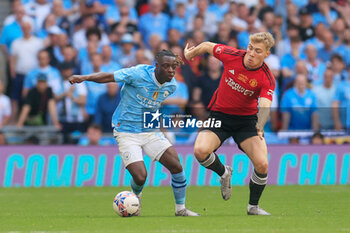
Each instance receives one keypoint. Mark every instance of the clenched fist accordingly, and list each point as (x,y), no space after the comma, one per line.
(76,79)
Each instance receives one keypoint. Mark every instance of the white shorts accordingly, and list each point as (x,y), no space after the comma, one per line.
(131,145)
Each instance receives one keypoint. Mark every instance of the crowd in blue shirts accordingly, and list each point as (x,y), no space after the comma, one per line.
(58,38)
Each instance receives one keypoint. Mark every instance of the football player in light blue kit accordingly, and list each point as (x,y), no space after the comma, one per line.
(145,88)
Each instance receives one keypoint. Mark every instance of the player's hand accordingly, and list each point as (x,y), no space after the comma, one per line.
(187,52)
(76,79)
(260,132)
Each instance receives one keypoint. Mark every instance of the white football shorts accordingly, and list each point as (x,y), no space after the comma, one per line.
(154,144)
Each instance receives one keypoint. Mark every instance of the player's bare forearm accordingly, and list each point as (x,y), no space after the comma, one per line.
(100,77)
(202,48)
(264,113)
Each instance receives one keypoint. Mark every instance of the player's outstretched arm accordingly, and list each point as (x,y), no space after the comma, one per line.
(101,77)
(263,115)
(202,48)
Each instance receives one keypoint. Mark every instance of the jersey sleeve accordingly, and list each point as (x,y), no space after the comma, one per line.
(224,52)
(268,86)
(126,75)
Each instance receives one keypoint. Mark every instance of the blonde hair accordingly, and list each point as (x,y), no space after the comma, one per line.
(264,37)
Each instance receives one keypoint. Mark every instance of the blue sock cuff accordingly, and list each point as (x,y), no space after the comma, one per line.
(137,189)
(179,177)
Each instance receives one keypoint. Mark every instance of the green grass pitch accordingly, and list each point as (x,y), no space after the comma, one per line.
(89,209)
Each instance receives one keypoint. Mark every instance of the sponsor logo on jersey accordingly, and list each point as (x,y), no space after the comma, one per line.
(145,88)
(218,50)
(270,92)
(235,86)
(232,71)
(155,95)
(253,82)
(243,78)
(148,103)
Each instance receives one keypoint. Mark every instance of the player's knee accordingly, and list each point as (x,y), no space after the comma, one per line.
(175,168)
(140,178)
(201,152)
(262,167)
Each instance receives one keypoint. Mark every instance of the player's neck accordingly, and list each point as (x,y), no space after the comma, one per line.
(159,79)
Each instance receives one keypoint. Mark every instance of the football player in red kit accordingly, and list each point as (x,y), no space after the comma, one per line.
(242,102)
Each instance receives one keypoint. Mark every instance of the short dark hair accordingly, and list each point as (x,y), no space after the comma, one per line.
(168,53)
(93,31)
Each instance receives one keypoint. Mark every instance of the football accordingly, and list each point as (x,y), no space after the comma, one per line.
(126,204)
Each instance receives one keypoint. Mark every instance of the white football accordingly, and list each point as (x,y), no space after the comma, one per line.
(126,204)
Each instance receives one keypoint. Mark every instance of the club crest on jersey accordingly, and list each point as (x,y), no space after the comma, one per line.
(218,50)
(253,82)
(166,93)
(155,95)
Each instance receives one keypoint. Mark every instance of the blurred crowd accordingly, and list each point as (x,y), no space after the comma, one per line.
(46,41)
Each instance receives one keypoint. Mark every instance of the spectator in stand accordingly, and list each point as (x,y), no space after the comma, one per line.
(289,60)
(338,27)
(94,89)
(179,20)
(208,82)
(317,139)
(16,4)
(114,12)
(343,49)
(219,8)
(49,22)
(243,36)
(325,53)
(24,53)
(54,79)
(284,46)
(338,67)
(108,65)
(324,98)
(126,57)
(13,30)
(317,40)
(325,14)
(210,22)
(239,21)
(154,22)
(38,10)
(106,104)
(315,66)
(298,107)
(71,103)
(80,37)
(292,14)
(94,137)
(5,107)
(224,33)
(174,37)
(58,40)
(144,56)
(37,104)
(69,55)
(306,28)
(341,105)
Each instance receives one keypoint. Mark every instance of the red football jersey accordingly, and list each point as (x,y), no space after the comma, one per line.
(239,87)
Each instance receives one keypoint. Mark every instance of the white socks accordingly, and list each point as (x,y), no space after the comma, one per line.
(179,207)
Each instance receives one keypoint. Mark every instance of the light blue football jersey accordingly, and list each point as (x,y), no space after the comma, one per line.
(141,93)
